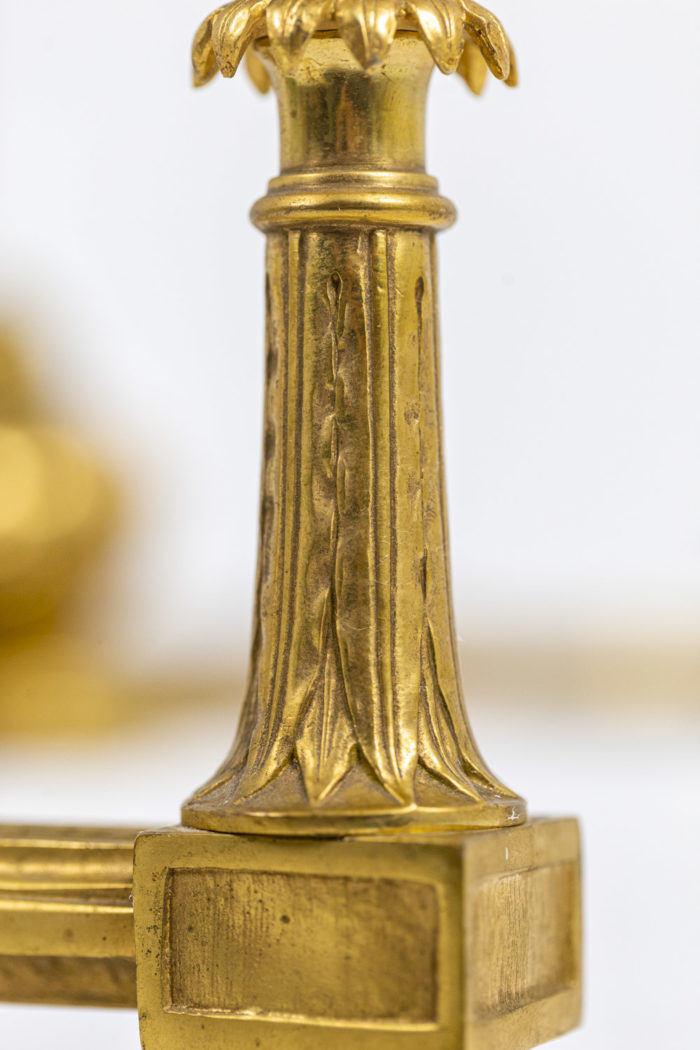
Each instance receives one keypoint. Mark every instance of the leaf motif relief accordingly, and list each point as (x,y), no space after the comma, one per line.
(444,718)
(235,760)
(290,25)
(489,35)
(271,737)
(234,763)
(361,581)
(367,27)
(326,743)
(326,739)
(204,64)
(257,72)
(472,68)
(448,714)
(439,750)
(233,29)
(441,24)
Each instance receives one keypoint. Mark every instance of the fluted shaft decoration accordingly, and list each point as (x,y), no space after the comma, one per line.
(354,717)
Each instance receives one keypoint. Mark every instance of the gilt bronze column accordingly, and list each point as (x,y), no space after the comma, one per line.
(354,875)
(354,717)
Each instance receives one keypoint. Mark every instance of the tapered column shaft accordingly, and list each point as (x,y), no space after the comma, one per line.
(354,717)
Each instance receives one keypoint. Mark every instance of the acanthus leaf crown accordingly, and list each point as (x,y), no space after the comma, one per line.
(461,36)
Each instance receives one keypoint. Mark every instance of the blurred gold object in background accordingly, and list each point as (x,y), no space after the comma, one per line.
(57,505)
(57,509)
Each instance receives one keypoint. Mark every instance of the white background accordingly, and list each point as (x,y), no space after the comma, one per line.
(571,370)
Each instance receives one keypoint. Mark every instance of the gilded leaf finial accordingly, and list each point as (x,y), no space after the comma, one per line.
(461,36)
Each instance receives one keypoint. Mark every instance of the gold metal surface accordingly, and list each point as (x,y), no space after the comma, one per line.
(353,875)
(354,717)
(66,917)
(453,941)
(322,920)
(460,35)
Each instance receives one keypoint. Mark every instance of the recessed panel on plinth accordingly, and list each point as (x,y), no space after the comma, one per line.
(456,941)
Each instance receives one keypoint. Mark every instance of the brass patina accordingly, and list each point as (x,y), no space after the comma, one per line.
(353,875)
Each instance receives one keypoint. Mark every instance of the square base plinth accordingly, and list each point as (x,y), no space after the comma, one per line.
(456,941)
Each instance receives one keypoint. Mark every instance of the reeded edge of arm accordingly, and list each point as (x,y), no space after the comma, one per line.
(66,916)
